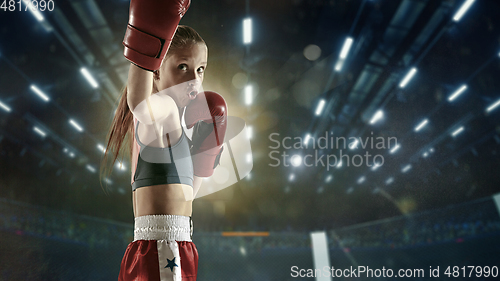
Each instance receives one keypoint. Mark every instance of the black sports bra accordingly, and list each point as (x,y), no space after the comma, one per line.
(156,165)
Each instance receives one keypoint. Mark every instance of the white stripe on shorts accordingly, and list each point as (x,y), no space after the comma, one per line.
(169,260)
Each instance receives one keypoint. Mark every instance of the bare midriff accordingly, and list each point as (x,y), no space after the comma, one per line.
(164,199)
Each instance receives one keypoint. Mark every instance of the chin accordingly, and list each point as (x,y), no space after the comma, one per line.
(184,102)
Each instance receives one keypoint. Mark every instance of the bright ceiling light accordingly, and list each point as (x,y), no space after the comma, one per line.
(377,116)
(457,131)
(320,107)
(75,125)
(389,180)
(493,106)
(39,131)
(406,168)
(421,125)
(329,178)
(361,180)
(248,94)
(39,93)
(296,160)
(4,107)
(394,148)
(408,77)
(345,49)
(463,9)
(90,168)
(306,140)
(247,31)
(89,77)
(457,93)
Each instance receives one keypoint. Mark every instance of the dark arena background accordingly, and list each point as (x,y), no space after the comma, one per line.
(374,128)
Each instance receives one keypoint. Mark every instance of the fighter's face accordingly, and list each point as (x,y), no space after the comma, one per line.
(183,72)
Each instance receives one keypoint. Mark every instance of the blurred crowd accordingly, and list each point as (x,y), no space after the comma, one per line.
(454,223)
(24,219)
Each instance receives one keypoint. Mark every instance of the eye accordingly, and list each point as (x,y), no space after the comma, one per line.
(201,70)
(182,66)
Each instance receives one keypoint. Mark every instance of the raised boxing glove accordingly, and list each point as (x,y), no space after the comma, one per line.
(151,27)
(207,115)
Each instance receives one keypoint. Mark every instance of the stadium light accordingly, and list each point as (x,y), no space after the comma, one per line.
(101,148)
(247,31)
(377,116)
(354,144)
(39,131)
(320,107)
(89,77)
(389,181)
(406,168)
(338,65)
(493,106)
(4,107)
(39,17)
(394,148)
(457,93)
(308,136)
(376,166)
(463,9)
(249,132)
(457,131)
(70,153)
(329,178)
(421,125)
(39,93)
(361,180)
(90,168)
(408,77)
(296,160)
(248,94)
(76,125)
(345,49)
(343,53)
(121,166)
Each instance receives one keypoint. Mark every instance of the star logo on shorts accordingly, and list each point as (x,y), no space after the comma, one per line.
(171,264)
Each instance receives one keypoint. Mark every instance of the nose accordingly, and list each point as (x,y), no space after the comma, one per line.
(194,83)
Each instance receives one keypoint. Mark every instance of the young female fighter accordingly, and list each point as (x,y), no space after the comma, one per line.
(166,166)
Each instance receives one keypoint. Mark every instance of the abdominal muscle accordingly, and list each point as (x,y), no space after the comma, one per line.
(164,199)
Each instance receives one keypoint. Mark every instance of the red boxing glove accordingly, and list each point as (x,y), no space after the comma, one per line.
(208,115)
(151,27)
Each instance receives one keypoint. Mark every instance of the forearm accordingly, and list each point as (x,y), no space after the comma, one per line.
(139,85)
(196,185)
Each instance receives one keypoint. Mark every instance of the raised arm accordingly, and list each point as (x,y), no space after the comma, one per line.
(139,86)
(151,27)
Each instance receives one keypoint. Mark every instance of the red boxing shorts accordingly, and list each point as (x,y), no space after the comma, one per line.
(162,250)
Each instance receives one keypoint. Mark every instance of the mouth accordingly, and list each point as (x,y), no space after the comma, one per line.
(192,94)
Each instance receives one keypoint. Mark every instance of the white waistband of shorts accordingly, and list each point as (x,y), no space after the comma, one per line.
(162,227)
